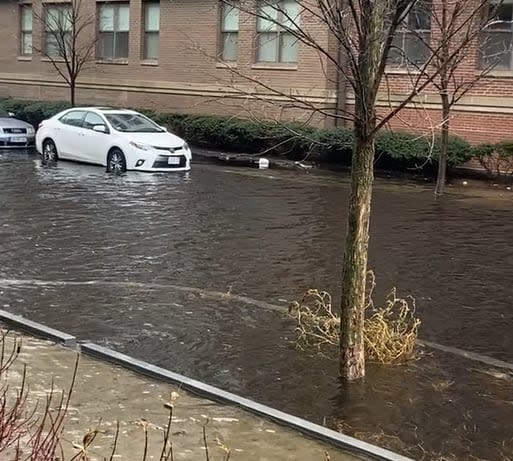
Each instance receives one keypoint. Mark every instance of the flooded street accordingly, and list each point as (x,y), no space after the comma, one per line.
(193,272)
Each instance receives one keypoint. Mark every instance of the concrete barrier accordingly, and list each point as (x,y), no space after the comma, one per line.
(37,329)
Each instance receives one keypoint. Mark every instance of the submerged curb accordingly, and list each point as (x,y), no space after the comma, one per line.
(468,355)
(349,444)
(37,329)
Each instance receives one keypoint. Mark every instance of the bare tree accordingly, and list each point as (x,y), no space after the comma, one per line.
(363,32)
(68,40)
(458,29)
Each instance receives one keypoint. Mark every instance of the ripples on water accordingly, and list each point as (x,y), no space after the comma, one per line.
(267,235)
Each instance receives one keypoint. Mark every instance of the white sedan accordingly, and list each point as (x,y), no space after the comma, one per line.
(118,139)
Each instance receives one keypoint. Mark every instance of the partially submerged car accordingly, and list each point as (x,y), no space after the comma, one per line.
(117,139)
(14,132)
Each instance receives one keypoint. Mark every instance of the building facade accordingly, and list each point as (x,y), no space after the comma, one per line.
(203,57)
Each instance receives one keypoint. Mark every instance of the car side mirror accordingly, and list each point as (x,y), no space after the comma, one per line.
(11,114)
(100,128)
(163,127)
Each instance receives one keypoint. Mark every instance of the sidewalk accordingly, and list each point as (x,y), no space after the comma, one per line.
(108,394)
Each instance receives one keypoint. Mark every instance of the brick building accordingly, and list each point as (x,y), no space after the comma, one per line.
(198,56)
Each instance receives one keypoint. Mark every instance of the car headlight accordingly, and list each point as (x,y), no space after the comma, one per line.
(30,130)
(140,146)
(186,146)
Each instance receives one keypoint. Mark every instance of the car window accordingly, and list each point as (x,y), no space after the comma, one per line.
(92,119)
(73,118)
(132,123)
(3,113)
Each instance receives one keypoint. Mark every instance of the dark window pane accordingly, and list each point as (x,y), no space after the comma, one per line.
(52,46)
(92,119)
(106,45)
(151,45)
(289,47)
(73,118)
(267,47)
(496,48)
(416,50)
(121,48)
(504,13)
(419,17)
(396,53)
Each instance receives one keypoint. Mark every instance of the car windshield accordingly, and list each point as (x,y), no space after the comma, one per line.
(132,123)
(3,113)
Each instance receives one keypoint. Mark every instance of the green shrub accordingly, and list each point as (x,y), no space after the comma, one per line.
(239,135)
(335,145)
(405,151)
(34,112)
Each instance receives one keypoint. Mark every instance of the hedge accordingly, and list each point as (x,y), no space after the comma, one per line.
(394,150)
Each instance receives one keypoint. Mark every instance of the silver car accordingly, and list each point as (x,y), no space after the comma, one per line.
(14,132)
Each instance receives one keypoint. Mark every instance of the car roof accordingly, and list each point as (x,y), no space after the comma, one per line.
(103,109)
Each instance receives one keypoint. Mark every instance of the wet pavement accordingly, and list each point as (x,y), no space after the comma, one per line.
(188,271)
(105,396)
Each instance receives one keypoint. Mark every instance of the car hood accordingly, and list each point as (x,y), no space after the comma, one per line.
(8,122)
(157,139)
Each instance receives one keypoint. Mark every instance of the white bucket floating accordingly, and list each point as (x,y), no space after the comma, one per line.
(263,163)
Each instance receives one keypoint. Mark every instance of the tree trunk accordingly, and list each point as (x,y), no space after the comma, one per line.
(72,88)
(354,265)
(444,143)
(354,269)
(444,95)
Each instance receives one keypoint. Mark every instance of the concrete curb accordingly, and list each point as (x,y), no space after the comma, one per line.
(349,444)
(37,329)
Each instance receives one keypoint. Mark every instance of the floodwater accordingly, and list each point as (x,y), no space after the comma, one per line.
(193,272)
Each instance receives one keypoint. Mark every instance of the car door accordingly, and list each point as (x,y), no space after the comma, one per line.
(96,144)
(69,134)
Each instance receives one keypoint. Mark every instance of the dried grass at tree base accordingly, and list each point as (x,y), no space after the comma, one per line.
(390,331)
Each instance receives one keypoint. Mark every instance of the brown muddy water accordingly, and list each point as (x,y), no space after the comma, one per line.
(193,272)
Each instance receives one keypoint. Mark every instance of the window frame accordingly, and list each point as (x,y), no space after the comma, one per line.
(26,32)
(223,32)
(279,33)
(146,32)
(60,7)
(115,31)
(407,33)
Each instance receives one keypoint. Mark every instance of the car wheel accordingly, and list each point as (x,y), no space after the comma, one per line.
(116,162)
(49,152)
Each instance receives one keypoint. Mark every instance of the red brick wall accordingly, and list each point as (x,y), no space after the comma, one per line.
(187,77)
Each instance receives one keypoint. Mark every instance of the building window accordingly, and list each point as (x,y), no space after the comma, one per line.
(113,29)
(151,30)
(410,45)
(276,22)
(26,30)
(57,30)
(229,32)
(497,38)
